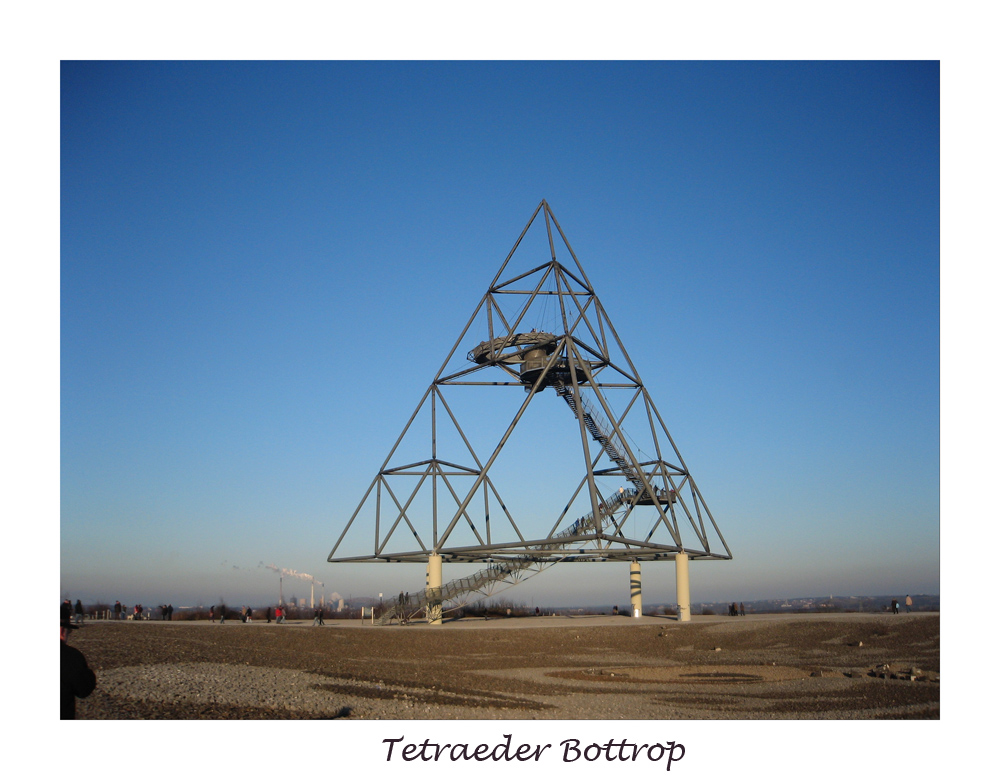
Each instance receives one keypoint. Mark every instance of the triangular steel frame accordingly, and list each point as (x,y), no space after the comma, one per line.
(583,363)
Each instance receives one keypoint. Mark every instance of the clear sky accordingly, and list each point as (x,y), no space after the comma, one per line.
(264,265)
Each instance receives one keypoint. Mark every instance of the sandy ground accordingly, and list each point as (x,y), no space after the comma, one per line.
(837,666)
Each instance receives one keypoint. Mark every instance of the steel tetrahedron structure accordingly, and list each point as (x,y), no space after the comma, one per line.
(536,443)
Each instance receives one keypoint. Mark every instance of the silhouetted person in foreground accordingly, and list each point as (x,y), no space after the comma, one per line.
(76,678)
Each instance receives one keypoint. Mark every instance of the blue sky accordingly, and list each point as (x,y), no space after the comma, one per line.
(263,265)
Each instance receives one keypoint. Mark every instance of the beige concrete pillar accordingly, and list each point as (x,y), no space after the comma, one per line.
(434,590)
(635,587)
(683,587)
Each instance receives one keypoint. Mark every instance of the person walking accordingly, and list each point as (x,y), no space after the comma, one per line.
(211,613)
(78,612)
(909,602)
(742,611)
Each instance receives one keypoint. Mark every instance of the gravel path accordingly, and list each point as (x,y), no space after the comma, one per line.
(784,666)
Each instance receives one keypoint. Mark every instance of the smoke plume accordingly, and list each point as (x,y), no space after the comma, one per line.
(292,573)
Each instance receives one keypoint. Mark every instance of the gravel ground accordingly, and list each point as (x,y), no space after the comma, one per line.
(758,667)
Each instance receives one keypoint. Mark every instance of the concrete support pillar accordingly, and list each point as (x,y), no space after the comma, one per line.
(635,587)
(434,590)
(683,588)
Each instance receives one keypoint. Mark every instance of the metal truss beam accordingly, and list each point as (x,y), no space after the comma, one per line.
(583,360)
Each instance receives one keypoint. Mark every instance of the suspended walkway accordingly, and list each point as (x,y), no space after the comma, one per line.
(601,435)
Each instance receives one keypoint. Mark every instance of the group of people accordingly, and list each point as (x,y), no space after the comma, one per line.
(118,612)
(736,611)
(72,612)
(246,614)
(121,612)
(908,604)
